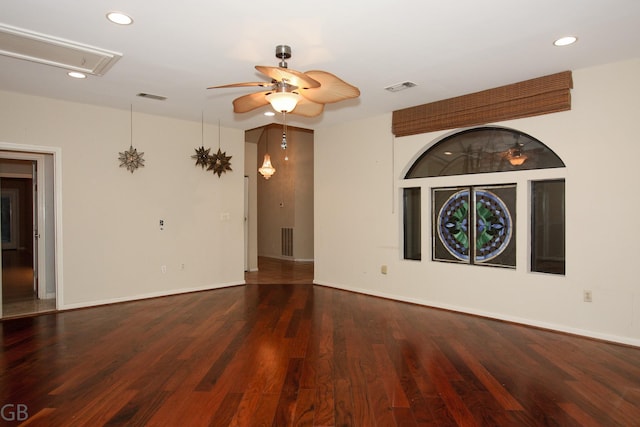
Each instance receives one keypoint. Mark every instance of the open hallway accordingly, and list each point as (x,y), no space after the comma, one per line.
(18,295)
(272,270)
(287,353)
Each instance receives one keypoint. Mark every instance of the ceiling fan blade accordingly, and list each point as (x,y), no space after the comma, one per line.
(292,77)
(250,102)
(307,108)
(332,88)
(246,84)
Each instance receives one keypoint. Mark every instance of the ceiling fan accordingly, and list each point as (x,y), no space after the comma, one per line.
(291,91)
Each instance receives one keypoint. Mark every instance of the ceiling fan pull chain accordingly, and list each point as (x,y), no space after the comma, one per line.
(284,131)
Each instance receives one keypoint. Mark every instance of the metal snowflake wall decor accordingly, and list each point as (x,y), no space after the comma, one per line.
(131,159)
(219,163)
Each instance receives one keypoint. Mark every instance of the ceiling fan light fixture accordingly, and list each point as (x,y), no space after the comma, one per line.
(515,156)
(517,161)
(291,91)
(283,102)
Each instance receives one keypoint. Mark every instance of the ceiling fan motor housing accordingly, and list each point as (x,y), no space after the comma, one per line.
(283,52)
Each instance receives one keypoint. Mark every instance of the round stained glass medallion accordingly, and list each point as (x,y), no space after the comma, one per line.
(453,225)
(493,225)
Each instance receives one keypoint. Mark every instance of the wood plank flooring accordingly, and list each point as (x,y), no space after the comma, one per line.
(18,296)
(280,271)
(302,355)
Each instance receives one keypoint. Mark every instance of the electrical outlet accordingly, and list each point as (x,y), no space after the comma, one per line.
(587,296)
(383,269)
(163,268)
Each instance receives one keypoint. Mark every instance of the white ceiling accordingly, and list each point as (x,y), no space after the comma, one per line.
(448,48)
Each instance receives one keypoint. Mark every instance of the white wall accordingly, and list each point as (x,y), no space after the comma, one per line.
(112,244)
(358,216)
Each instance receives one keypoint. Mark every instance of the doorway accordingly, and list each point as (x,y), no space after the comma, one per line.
(27,279)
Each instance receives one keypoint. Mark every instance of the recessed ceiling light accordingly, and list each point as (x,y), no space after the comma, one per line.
(119,18)
(269,113)
(76,75)
(565,41)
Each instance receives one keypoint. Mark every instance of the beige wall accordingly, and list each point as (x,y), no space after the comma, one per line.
(359,218)
(112,245)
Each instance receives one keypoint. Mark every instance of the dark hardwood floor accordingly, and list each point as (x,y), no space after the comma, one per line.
(277,354)
(271,270)
(18,295)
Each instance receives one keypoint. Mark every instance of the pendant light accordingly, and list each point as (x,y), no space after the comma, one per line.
(266,170)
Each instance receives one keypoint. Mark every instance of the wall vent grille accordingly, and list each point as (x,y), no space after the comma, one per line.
(287,242)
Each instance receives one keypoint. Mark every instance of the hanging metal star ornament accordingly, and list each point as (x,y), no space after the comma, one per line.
(131,159)
(219,163)
(202,156)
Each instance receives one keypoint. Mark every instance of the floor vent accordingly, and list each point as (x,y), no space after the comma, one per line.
(287,242)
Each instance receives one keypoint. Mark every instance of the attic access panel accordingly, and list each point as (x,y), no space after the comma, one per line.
(43,49)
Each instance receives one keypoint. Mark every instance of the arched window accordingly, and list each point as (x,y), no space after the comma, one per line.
(482,150)
(474,224)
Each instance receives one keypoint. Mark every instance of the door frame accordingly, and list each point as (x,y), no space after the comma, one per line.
(46,248)
(246,223)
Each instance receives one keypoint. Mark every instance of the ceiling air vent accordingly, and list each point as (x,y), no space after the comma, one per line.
(400,86)
(48,50)
(151,96)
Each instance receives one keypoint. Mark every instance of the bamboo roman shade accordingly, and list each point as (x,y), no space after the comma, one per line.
(548,94)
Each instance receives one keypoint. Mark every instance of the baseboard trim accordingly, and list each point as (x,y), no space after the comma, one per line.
(497,316)
(150,295)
